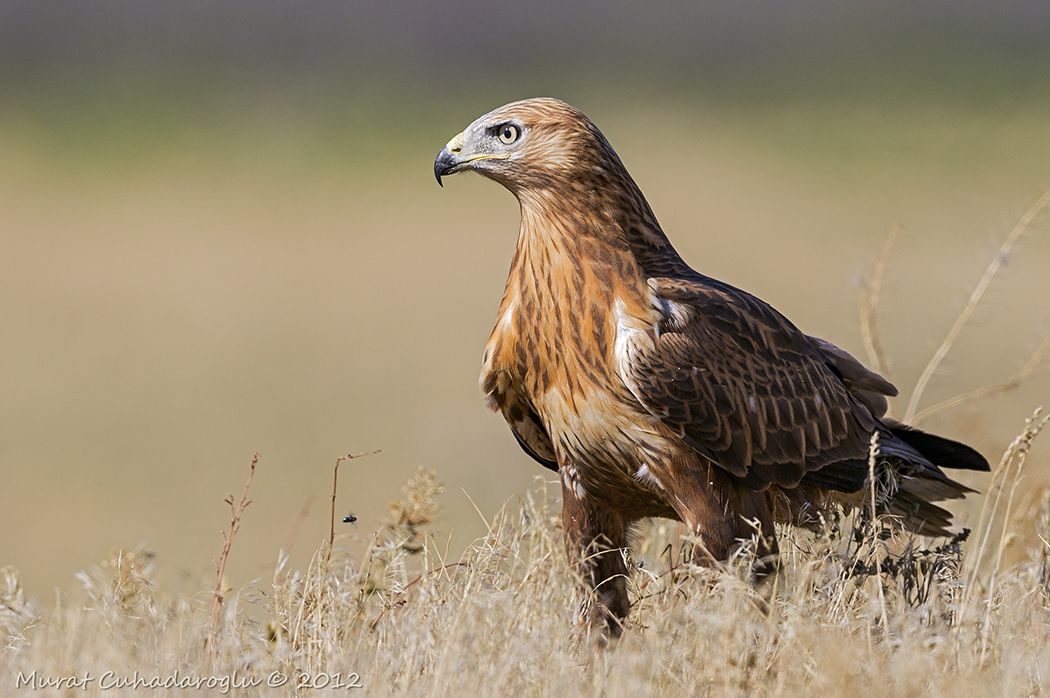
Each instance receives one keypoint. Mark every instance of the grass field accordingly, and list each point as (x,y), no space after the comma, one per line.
(179,292)
(504,618)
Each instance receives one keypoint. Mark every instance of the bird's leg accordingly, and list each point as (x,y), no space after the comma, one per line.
(722,512)
(595,537)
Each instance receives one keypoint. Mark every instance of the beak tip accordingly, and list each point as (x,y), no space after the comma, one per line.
(445,164)
(441,165)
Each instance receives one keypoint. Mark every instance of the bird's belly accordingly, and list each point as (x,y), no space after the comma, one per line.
(608,449)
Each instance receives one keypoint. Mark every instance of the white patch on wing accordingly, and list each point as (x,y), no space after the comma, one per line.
(644,475)
(636,339)
(507,315)
(625,349)
(674,316)
(634,336)
(677,315)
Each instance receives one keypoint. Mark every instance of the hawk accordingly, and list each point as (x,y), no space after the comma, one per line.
(654,390)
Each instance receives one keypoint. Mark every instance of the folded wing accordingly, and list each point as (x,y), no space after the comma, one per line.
(744,387)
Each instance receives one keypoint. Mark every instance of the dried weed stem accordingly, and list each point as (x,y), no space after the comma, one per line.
(335,485)
(868,314)
(220,565)
(975,298)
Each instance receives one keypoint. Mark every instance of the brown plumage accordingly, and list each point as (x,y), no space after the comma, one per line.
(655,390)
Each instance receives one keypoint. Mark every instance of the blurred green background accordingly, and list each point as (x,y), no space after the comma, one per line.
(220,234)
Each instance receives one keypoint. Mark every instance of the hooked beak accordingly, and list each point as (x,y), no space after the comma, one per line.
(444,164)
(452,159)
(448,160)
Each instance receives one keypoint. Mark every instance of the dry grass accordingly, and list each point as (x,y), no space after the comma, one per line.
(503,620)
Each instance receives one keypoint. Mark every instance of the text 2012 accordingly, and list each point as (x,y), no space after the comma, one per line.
(322,680)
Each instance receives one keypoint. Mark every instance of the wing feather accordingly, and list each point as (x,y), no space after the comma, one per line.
(745,388)
(521,417)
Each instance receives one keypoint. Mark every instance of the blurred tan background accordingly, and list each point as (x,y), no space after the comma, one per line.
(220,234)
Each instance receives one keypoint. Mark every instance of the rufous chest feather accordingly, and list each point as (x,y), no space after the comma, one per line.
(555,337)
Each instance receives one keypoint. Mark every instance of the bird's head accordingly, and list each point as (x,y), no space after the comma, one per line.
(535,143)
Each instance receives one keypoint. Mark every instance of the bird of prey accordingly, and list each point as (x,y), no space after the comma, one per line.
(654,390)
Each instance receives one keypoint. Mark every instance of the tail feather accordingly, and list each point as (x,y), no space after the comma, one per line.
(933,487)
(942,452)
(916,494)
(917,459)
(919,515)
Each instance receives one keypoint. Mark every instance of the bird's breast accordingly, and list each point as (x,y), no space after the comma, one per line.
(559,327)
(559,352)
(566,315)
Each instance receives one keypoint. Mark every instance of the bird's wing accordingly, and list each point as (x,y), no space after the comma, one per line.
(524,423)
(534,440)
(743,386)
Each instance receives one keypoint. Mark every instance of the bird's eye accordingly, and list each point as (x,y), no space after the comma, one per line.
(508,133)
